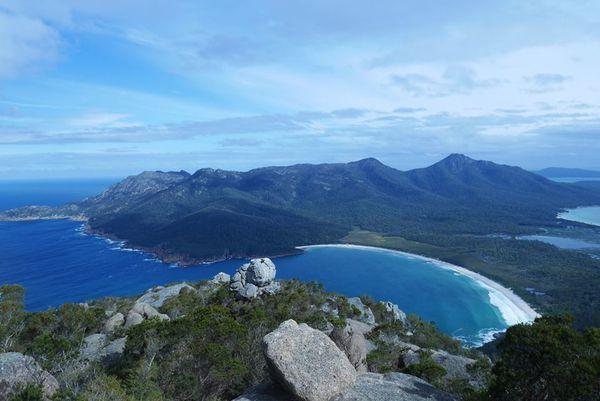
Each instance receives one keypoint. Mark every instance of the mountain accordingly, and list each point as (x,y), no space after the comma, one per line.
(561,172)
(215,214)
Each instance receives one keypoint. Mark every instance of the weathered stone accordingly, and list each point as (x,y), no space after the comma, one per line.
(114,322)
(18,370)
(221,278)
(392,387)
(366,314)
(353,344)
(148,312)
(265,392)
(92,344)
(455,365)
(157,296)
(133,319)
(255,279)
(261,272)
(250,291)
(307,362)
(96,347)
(359,327)
(396,312)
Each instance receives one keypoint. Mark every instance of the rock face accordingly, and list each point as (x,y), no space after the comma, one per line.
(455,365)
(307,362)
(392,386)
(221,278)
(114,322)
(255,279)
(366,314)
(96,347)
(354,345)
(395,311)
(266,392)
(18,370)
(157,296)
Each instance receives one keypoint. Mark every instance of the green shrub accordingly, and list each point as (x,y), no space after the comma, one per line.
(29,393)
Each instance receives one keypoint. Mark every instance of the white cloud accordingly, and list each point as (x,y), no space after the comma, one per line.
(25,44)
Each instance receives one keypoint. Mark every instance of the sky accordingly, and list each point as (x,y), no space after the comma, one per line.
(109,88)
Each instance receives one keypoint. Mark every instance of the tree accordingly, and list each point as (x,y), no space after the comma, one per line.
(548,360)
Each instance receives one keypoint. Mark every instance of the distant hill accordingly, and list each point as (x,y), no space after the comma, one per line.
(561,172)
(214,214)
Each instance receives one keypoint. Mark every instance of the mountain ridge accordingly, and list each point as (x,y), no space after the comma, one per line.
(215,214)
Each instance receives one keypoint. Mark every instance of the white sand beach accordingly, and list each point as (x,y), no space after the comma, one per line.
(513,308)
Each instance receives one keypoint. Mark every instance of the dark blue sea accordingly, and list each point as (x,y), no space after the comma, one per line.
(57,262)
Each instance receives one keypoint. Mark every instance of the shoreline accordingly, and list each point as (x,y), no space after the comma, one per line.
(564,216)
(513,309)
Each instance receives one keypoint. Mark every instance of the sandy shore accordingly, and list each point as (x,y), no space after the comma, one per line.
(513,308)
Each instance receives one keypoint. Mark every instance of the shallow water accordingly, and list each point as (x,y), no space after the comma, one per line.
(561,242)
(587,215)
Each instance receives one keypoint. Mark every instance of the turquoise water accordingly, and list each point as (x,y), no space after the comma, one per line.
(57,263)
(561,242)
(588,215)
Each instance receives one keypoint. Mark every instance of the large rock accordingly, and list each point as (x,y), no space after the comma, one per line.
(148,312)
(18,370)
(456,366)
(157,296)
(396,312)
(96,347)
(133,319)
(353,344)
(255,278)
(366,314)
(114,322)
(221,278)
(307,362)
(392,387)
(265,392)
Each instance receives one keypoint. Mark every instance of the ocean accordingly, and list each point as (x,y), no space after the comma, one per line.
(57,262)
(587,215)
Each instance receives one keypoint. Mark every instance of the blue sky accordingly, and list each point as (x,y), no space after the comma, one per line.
(110,88)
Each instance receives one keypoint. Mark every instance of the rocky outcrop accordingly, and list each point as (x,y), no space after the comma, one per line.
(354,345)
(221,278)
(18,370)
(97,347)
(392,387)
(266,392)
(114,322)
(255,279)
(456,366)
(157,296)
(307,363)
(366,314)
(396,312)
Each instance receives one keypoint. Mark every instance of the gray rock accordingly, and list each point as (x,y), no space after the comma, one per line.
(359,327)
(307,362)
(96,347)
(395,311)
(366,314)
(221,278)
(147,311)
(265,392)
(92,344)
(157,296)
(18,370)
(392,387)
(114,322)
(353,344)
(133,319)
(255,279)
(455,365)
(260,272)
(249,291)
